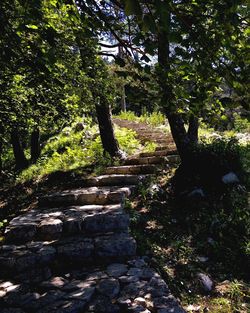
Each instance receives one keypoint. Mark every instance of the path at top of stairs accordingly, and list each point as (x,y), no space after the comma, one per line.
(74,253)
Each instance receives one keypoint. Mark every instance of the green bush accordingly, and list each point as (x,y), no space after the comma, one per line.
(241,124)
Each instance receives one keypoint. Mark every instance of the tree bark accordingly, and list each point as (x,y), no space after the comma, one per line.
(20,159)
(108,139)
(1,147)
(175,120)
(123,100)
(193,129)
(35,148)
(123,95)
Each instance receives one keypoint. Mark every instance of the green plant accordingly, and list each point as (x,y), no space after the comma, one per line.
(154,119)
(241,124)
(127,140)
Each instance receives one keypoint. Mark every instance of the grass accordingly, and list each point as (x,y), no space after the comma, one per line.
(71,150)
(155,119)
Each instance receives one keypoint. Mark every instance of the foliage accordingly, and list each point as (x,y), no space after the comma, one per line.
(74,150)
(241,124)
(154,119)
(140,87)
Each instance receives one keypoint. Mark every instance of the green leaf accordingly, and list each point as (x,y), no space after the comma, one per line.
(30,26)
(132,7)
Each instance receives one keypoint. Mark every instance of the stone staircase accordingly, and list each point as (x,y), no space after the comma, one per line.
(74,253)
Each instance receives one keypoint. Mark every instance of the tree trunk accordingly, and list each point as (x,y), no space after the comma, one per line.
(175,120)
(109,141)
(103,113)
(20,159)
(35,148)
(1,147)
(123,95)
(123,100)
(193,129)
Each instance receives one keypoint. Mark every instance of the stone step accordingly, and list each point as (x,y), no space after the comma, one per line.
(161,153)
(152,138)
(158,141)
(91,195)
(131,169)
(173,159)
(161,147)
(52,224)
(39,259)
(145,160)
(114,180)
(131,286)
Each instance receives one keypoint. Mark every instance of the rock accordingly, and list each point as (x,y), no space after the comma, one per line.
(134,290)
(109,287)
(165,302)
(64,306)
(50,228)
(78,285)
(44,300)
(124,303)
(20,233)
(102,304)
(128,279)
(118,245)
(198,192)
(83,294)
(139,263)
(193,308)
(149,273)
(96,276)
(202,259)
(103,222)
(205,282)
(54,283)
(140,301)
(76,250)
(117,269)
(158,286)
(134,272)
(138,309)
(230,178)
(2,293)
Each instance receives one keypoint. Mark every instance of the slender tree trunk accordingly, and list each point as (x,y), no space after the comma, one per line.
(193,129)
(103,112)
(123,100)
(123,95)
(1,147)
(175,120)
(20,159)
(109,141)
(35,148)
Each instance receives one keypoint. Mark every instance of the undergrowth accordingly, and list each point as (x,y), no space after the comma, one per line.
(187,235)
(73,150)
(155,119)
